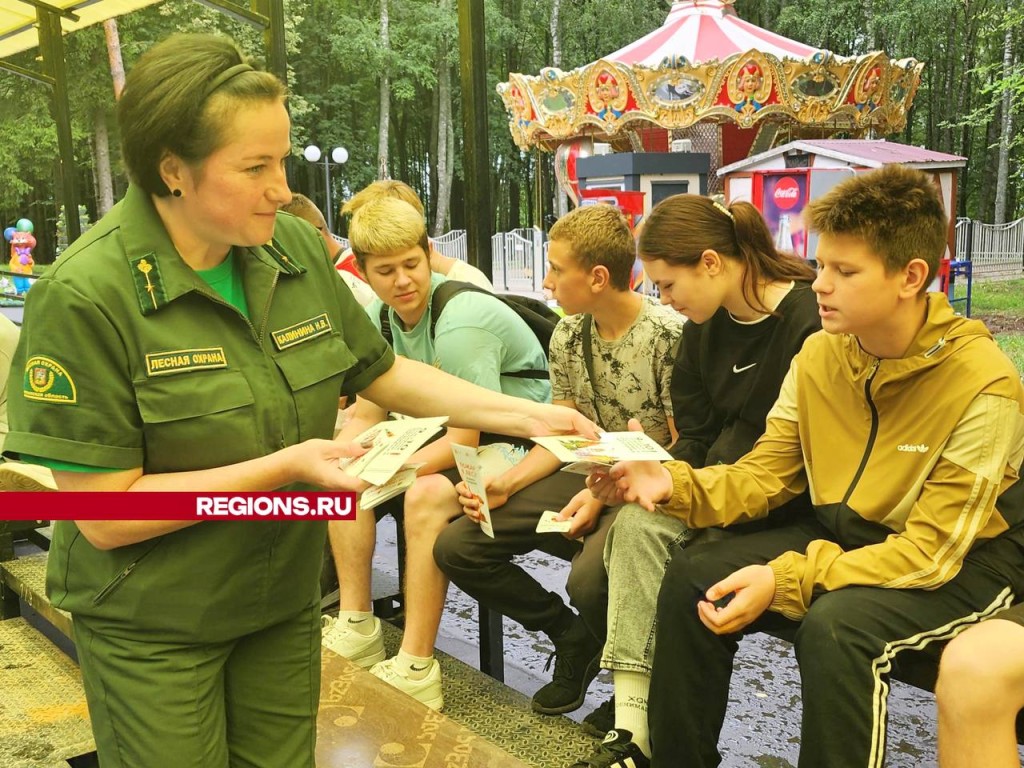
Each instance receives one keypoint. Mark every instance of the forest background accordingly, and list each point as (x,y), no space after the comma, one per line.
(381,78)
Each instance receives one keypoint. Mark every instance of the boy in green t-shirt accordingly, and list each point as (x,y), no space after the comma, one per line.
(477,338)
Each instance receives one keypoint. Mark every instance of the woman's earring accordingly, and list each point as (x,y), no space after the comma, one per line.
(176,192)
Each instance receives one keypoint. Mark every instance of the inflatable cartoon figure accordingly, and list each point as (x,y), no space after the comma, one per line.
(21,261)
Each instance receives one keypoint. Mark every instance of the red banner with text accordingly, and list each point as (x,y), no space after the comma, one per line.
(177,506)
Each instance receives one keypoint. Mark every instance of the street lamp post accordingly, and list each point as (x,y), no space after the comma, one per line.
(339,155)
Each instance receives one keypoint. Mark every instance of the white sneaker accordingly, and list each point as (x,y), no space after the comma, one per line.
(426,691)
(344,640)
(18,476)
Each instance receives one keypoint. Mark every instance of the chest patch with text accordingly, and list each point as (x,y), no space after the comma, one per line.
(182,360)
(300,332)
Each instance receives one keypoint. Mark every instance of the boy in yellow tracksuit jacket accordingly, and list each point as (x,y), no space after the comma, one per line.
(905,423)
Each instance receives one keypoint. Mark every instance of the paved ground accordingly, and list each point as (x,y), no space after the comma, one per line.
(762,726)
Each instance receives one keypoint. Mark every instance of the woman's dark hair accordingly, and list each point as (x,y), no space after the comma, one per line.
(168,102)
(682,227)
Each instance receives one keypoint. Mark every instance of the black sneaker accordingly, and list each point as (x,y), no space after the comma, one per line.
(577,657)
(601,720)
(616,751)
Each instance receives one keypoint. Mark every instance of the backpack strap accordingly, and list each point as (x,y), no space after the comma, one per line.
(588,358)
(385,326)
(445,292)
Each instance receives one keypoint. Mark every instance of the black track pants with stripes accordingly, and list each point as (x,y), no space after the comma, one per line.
(846,647)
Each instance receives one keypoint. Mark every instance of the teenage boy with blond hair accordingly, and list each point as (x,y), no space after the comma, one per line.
(476,337)
(611,359)
(904,421)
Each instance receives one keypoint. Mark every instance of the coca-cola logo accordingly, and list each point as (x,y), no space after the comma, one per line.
(786,193)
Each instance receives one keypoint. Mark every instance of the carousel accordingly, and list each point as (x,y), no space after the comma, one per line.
(729,87)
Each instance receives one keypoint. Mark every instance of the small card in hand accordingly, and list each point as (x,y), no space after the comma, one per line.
(549,523)
(586,467)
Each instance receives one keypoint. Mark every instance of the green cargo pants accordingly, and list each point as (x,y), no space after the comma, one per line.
(248,702)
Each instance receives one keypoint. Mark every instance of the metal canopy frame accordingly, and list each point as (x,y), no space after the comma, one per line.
(265,14)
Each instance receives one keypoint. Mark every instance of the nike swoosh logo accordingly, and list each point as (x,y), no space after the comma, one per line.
(356,621)
(744,368)
(414,668)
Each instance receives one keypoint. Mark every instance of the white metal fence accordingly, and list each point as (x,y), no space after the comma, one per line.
(996,251)
(452,244)
(518,258)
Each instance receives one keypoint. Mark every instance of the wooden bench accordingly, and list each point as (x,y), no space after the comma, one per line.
(484,722)
(363,721)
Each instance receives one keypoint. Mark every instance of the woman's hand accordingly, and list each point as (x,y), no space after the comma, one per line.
(559,420)
(752,590)
(584,510)
(316,462)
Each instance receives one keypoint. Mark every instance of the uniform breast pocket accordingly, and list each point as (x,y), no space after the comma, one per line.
(315,372)
(198,420)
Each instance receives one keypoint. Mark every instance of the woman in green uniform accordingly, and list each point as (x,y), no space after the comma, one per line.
(197,339)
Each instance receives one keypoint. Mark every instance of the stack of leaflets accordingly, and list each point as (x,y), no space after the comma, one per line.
(399,483)
(384,465)
(586,455)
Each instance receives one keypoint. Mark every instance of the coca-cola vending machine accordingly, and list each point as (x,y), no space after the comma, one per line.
(781,196)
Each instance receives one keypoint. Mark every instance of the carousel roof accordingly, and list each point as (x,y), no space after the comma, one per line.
(703,30)
(705,64)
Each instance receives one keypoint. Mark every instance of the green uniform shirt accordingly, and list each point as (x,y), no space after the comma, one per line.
(131,360)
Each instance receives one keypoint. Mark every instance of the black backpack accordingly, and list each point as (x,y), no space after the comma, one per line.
(535,313)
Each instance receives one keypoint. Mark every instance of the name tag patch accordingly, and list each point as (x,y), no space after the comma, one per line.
(181,360)
(300,332)
(48,381)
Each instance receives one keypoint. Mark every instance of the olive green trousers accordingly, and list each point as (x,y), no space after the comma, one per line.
(249,702)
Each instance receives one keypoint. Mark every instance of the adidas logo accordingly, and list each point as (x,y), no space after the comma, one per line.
(908,448)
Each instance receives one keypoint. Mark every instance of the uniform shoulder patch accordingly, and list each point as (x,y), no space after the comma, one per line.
(48,381)
(149,285)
